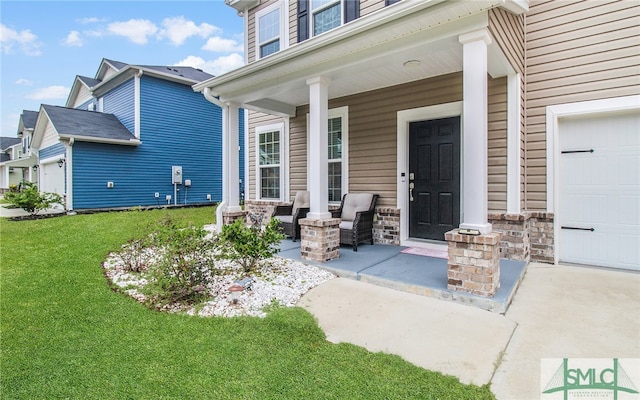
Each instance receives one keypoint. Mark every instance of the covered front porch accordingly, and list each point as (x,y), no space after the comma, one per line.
(366,72)
(401,268)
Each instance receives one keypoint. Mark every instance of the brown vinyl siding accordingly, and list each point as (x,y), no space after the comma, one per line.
(369,6)
(576,51)
(497,145)
(373,136)
(373,133)
(508,31)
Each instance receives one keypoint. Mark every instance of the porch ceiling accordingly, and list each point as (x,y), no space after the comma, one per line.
(364,55)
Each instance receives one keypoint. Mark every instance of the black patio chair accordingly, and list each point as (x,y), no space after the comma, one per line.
(289,215)
(356,211)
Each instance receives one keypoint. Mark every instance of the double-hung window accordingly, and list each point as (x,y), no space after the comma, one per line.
(327,14)
(269,144)
(319,16)
(338,142)
(270,31)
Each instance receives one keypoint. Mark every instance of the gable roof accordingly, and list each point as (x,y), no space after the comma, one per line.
(6,142)
(28,119)
(112,73)
(88,126)
(90,82)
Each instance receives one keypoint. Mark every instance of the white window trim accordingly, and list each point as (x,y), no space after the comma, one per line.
(312,13)
(283,128)
(284,26)
(342,112)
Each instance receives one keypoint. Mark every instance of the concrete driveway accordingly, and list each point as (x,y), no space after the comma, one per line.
(558,312)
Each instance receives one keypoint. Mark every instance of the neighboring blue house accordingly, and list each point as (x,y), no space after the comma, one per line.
(133,136)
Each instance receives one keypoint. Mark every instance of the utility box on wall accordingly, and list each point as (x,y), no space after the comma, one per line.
(176,175)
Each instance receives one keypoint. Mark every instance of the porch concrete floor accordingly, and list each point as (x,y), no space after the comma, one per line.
(387,266)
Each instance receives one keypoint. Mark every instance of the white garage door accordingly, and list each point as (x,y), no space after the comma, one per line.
(599,210)
(52,178)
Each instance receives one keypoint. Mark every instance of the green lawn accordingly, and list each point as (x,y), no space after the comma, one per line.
(66,335)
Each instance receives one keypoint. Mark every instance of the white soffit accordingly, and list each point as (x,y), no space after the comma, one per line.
(363,55)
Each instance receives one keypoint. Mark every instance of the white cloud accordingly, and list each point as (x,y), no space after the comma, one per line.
(25,40)
(73,39)
(50,93)
(220,45)
(23,81)
(90,20)
(178,29)
(215,67)
(136,30)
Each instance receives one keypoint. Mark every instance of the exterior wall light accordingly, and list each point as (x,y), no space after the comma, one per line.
(61,162)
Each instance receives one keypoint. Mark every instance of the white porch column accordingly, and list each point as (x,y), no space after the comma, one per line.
(474,125)
(513,143)
(231,169)
(318,144)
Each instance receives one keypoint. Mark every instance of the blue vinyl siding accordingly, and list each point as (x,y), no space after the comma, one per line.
(85,105)
(121,102)
(51,151)
(178,127)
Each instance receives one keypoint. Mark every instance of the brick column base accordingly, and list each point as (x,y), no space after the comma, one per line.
(229,217)
(320,239)
(474,263)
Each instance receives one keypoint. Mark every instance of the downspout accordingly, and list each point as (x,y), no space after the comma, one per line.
(225,128)
(136,100)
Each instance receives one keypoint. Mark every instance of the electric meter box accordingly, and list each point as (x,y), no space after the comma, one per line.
(176,175)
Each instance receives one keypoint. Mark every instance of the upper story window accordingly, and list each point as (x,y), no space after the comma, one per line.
(270,31)
(319,16)
(327,14)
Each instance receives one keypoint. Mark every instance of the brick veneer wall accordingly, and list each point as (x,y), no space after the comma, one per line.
(386,227)
(526,237)
(261,207)
(542,237)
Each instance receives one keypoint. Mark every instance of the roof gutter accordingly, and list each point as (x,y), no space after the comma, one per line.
(225,128)
(71,138)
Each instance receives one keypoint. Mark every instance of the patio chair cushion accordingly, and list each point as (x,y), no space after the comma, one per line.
(353,203)
(285,218)
(348,225)
(300,201)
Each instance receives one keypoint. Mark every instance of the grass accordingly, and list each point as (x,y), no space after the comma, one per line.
(65,334)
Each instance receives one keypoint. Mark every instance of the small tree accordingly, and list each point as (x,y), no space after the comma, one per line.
(31,200)
(247,245)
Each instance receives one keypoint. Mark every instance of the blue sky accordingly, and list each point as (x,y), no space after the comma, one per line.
(45,44)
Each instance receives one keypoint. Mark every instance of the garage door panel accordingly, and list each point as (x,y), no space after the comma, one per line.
(600,189)
(628,212)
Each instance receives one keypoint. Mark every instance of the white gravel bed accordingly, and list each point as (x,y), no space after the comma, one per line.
(276,281)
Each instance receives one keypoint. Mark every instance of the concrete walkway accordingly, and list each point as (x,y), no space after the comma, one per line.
(6,212)
(557,312)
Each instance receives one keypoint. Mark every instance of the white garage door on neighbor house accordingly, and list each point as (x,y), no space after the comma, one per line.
(52,178)
(599,190)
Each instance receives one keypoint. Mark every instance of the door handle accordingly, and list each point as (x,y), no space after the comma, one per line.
(411,185)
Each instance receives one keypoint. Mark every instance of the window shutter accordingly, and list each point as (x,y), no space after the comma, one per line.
(303,20)
(351,10)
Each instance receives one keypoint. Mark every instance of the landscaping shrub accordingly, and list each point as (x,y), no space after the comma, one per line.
(31,200)
(247,245)
(181,272)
